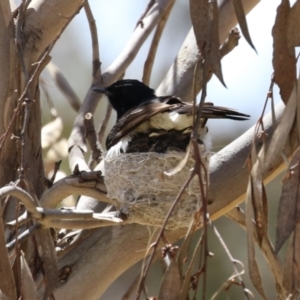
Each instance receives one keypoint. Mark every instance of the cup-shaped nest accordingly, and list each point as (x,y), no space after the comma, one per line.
(145,193)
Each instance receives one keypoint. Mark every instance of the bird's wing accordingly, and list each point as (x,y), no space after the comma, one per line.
(210,111)
(133,118)
(219,112)
(136,116)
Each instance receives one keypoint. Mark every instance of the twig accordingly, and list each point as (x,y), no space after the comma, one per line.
(21,237)
(104,123)
(36,72)
(140,21)
(137,39)
(23,196)
(266,247)
(74,185)
(92,138)
(237,273)
(95,44)
(56,169)
(155,41)
(155,244)
(79,223)
(231,42)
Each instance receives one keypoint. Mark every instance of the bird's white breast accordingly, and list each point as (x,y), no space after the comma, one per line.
(167,121)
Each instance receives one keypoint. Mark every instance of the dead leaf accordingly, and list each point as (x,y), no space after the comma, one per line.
(259,197)
(181,164)
(240,15)
(291,271)
(293,25)
(171,284)
(282,131)
(284,60)
(252,263)
(199,17)
(205,20)
(289,203)
(214,56)
(28,286)
(48,257)
(7,282)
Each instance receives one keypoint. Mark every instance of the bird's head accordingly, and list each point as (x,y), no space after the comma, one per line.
(127,94)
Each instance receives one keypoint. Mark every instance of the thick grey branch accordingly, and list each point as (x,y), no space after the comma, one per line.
(126,245)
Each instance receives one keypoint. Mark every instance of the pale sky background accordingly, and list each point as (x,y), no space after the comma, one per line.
(246,74)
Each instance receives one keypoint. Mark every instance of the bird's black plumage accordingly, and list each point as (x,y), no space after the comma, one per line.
(146,122)
(127,94)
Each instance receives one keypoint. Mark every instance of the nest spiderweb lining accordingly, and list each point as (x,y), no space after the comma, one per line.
(138,183)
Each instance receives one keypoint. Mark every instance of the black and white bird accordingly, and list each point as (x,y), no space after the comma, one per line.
(150,123)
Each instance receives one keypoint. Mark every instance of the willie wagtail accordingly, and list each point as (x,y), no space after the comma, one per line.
(149,123)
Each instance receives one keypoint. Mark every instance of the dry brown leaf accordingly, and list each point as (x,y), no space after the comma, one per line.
(28,286)
(284,60)
(48,257)
(199,17)
(214,58)
(293,32)
(289,203)
(240,15)
(291,271)
(259,197)
(282,131)
(181,164)
(171,284)
(205,20)
(7,282)
(252,263)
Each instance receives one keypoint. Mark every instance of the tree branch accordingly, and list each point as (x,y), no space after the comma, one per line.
(127,245)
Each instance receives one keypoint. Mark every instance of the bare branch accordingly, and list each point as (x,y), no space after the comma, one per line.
(74,185)
(154,45)
(104,123)
(92,138)
(227,189)
(44,24)
(23,196)
(95,44)
(140,34)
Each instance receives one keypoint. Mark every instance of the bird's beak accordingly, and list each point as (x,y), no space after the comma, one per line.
(101,90)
